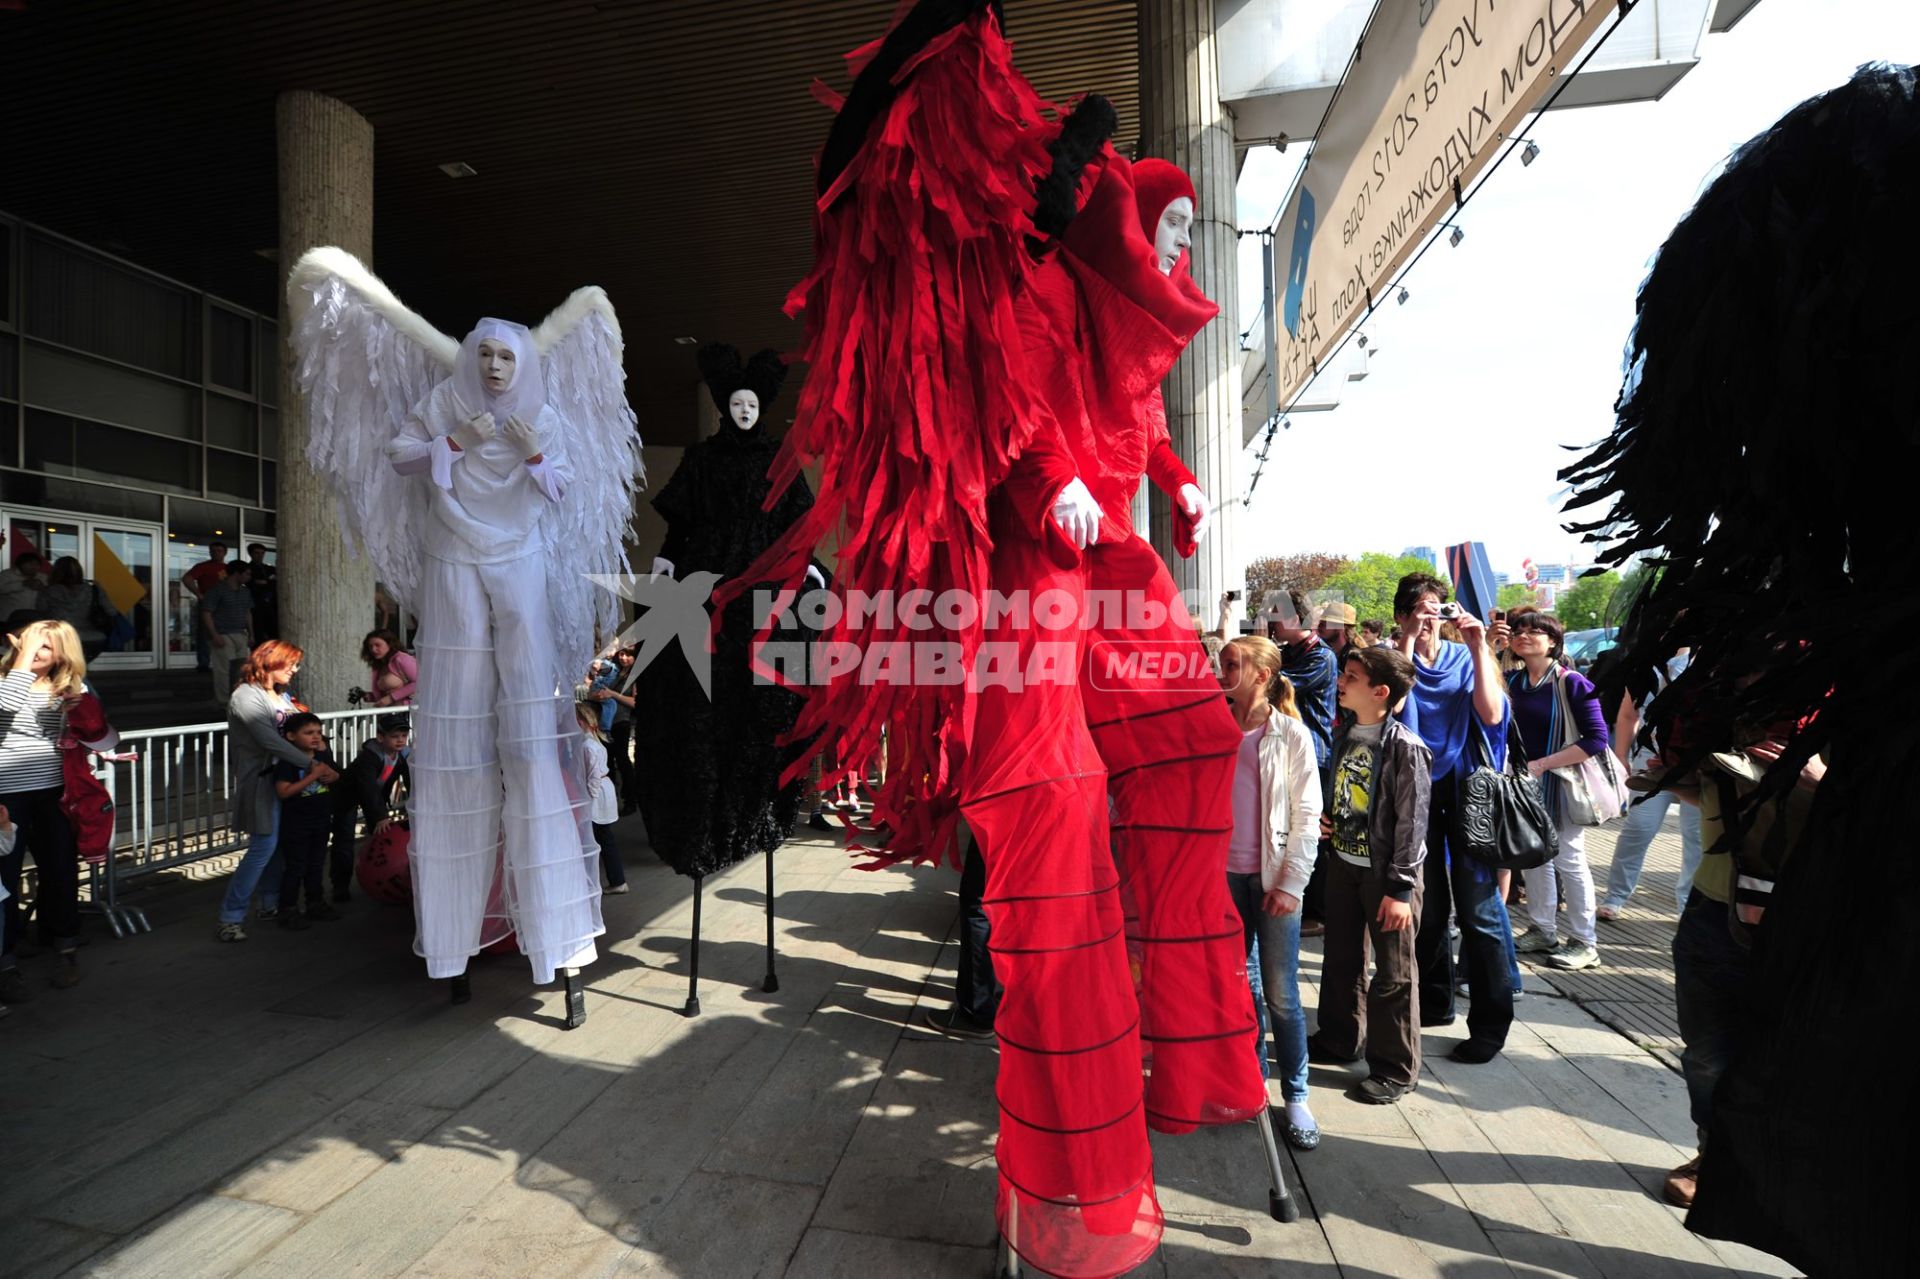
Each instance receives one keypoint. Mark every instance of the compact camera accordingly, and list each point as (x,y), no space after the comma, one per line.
(1451,612)
(355,696)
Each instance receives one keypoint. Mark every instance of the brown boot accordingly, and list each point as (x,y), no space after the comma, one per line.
(1681,1182)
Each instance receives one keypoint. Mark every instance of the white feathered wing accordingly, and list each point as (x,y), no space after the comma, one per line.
(364,361)
(586,534)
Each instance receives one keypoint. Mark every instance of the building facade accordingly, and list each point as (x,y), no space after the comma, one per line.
(138,424)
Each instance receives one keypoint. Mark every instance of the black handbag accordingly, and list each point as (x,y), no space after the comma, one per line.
(1500,816)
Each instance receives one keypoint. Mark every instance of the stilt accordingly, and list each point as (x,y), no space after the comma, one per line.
(1009,1267)
(461,988)
(772,981)
(693,975)
(576,998)
(1281,1206)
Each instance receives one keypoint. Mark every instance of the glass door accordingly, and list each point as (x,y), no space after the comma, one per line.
(98,578)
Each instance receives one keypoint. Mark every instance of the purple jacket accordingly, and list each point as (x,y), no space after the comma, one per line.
(1534,713)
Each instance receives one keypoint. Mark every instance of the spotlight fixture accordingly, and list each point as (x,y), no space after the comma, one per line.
(1402,299)
(685,341)
(458,169)
(1530,152)
(1457,236)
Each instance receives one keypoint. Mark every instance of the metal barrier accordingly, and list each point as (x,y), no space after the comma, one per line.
(171,794)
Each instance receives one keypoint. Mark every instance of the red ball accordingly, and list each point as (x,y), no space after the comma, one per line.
(382,867)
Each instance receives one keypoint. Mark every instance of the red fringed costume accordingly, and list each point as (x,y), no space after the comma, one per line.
(957,384)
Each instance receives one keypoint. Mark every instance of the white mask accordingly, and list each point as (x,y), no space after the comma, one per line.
(743,406)
(499,365)
(1173,235)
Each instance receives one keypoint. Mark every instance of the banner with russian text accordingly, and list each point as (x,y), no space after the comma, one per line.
(1436,88)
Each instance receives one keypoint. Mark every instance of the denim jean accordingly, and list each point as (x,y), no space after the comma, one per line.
(1464,888)
(251,872)
(1636,835)
(1712,975)
(976,992)
(1278,995)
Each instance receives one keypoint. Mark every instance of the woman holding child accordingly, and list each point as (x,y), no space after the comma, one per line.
(260,705)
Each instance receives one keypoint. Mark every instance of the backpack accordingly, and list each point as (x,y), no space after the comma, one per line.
(88,807)
(1727,780)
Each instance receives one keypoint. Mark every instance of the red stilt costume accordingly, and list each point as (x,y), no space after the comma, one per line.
(957,385)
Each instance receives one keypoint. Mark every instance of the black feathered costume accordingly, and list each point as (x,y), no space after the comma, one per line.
(710,790)
(1764,460)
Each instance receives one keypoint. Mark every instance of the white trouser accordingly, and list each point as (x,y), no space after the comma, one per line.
(1566,874)
(493,722)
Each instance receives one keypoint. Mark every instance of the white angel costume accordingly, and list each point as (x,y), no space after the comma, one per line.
(485,513)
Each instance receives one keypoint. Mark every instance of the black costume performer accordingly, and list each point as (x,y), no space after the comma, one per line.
(1764,460)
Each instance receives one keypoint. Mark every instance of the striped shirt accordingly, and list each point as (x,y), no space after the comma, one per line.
(29,736)
(230,607)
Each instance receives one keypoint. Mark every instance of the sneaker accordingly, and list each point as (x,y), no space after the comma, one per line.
(951,1021)
(616,890)
(13,987)
(322,914)
(66,971)
(294,922)
(1535,941)
(1573,955)
(1312,928)
(1681,1183)
(818,821)
(1461,989)
(267,914)
(230,932)
(1607,913)
(1375,1091)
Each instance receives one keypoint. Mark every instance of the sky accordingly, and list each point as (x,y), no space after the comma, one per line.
(1509,346)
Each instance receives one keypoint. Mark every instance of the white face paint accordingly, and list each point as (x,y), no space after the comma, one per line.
(743,406)
(497,366)
(1174,234)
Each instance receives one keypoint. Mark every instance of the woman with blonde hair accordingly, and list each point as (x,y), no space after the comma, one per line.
(46,673)
(1276,833)
(260,705)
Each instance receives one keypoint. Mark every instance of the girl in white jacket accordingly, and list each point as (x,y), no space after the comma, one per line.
(1276,828)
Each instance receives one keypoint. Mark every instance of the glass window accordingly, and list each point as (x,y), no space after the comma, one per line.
(9,367)
(230,422)
(86,388)
(122,566)
(6,273)
(196,523)
(9,436)
(270,433)
(233,475)
(88,303)
(229,349)
(151,461)
(54,539)
(72,495)
(264,524)
(270,485)
(269,383)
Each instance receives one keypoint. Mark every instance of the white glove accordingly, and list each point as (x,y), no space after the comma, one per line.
(1078,514)
(475,431)
(662,568)
(522,435)
(815,576)
(1195,504)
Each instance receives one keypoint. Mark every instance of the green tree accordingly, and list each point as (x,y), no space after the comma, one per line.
(1368,583)
(1588,602)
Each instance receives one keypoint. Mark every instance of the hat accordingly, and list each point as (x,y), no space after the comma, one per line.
(764,374)
(393,722)
(1156,184)
(1339,614)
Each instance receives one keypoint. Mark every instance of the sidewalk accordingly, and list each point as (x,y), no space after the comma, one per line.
(308,1103)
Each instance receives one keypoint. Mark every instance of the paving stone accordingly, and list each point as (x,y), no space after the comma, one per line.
(207,1236)
(729,1225)
(310,1171)
(835,1254)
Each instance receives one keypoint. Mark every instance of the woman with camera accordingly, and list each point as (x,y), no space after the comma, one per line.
(1545,696)
(393,670)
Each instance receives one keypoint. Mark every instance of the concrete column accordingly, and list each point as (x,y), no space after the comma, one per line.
(1182,121)
(326,198)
